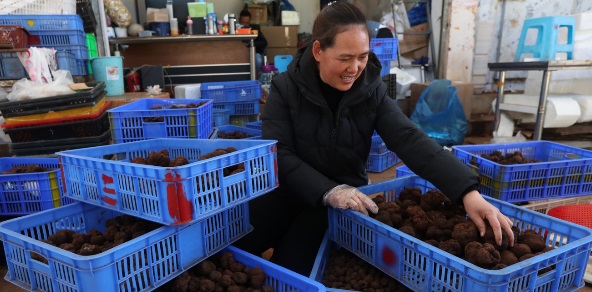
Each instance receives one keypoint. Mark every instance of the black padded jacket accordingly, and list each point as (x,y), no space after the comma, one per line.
(318,151)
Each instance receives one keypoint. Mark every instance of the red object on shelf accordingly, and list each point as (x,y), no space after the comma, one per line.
(132,82)
(14,37)
(579,214)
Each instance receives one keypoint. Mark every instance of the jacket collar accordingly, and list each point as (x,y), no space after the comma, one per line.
(303,70)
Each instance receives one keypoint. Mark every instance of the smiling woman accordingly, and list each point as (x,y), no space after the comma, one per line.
(323,112)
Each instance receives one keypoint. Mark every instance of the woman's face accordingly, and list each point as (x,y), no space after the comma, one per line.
(341,64)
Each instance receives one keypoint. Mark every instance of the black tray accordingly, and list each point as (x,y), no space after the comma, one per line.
(54,103)
(76,129)
(58,145)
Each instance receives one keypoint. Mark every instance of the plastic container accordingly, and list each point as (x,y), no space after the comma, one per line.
(51,116)
(84,9)
(239,108)
(16,36)
(403,170)
(543,206)
(565,171)
(257,125)
(60,102)
(27,193)
(75,129)
(150,118)
(384,48)
(382,161)
(423,267)
(50,147)
(231,91)
(11,67)
(110,71)
(221,117)
(104,176)
(254,134)
(38,7)
(47,23)
(141,264)
(378,146)
(386,68)
(67,61)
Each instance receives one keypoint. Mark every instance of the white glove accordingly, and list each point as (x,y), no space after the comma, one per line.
(346,197)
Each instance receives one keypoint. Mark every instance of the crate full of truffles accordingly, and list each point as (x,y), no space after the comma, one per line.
(425,241)
(81,247)
(526,171)
(150,118)
(29,185)
(171,181)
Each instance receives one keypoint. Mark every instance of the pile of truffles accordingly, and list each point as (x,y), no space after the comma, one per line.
(346,271)
(510,158)
(120,229)
(220,272)
(234,135)
(166,106)
(161,158)
(29,168)
(436,220)
(230,170)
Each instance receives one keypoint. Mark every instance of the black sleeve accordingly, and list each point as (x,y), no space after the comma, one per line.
(260,41)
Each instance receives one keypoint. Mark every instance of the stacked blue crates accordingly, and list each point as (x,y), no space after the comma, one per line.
(386,51)
(237,100)
(380,157)
(64,33)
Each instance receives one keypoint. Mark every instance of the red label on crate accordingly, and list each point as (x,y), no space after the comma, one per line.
(107,180)
(388,256)
(180,208)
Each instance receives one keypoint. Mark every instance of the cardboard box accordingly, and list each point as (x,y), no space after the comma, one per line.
(290,18)
(411,42)
(157,15)
(464,91)
(258,13)
(272,52)
(280,36)
(417,54)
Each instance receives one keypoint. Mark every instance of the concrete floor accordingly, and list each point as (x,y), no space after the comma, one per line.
(385,175)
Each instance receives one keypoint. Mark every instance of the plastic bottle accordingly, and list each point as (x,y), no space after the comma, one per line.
(174,27)
(169,7)
(220,26)
(231,24)
(189,25)
(211,25)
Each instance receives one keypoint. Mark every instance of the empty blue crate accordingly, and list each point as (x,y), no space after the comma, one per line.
(384,48)
(257,125)
(27,193)
(424,267)
(239,108)
(140,264)
(382,161)
(60,37)
(105,176)
(237,130)
(231,91)
(36,23)
(378,146)
(279,278)
(66,61)
(403,170)
(150,118)
(221,117)
(11,67)
(564,171)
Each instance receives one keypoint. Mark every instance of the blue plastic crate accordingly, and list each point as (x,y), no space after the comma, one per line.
(60,37)
(141,264)
(378,146)
(403,170)
(257,125)
(384,48)
(105,177)
(80,51)
(221,117)
(255,134)
(11,67)
(565,171)
(67,61)
(423,267)
(35,23)
(382,161)
(281,279)
(231,91)
(386,68)
(27,193)
(240,107)
(137,121)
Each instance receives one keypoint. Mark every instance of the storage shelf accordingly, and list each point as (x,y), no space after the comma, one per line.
(518,108)
(182,38)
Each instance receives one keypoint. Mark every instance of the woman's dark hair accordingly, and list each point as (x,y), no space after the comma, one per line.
(335,18)
(245,12)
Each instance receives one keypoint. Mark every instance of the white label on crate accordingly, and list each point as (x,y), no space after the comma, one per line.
(112,73)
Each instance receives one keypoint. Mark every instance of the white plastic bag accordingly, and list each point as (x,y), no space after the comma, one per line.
(26,89)
(37,62)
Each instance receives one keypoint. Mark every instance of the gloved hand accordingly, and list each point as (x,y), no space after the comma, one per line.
(345,197)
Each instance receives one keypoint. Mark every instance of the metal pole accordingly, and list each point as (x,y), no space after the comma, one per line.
(103,24)
(252,59)
(431,47)
(498,100)
(540,119)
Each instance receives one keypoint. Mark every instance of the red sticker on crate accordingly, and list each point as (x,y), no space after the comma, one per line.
(180,209)
(107,180)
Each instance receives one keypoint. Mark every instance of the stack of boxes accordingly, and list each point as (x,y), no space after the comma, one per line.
(281,40)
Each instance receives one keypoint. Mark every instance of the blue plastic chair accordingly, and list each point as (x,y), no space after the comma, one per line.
(547,46)
(281,62)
